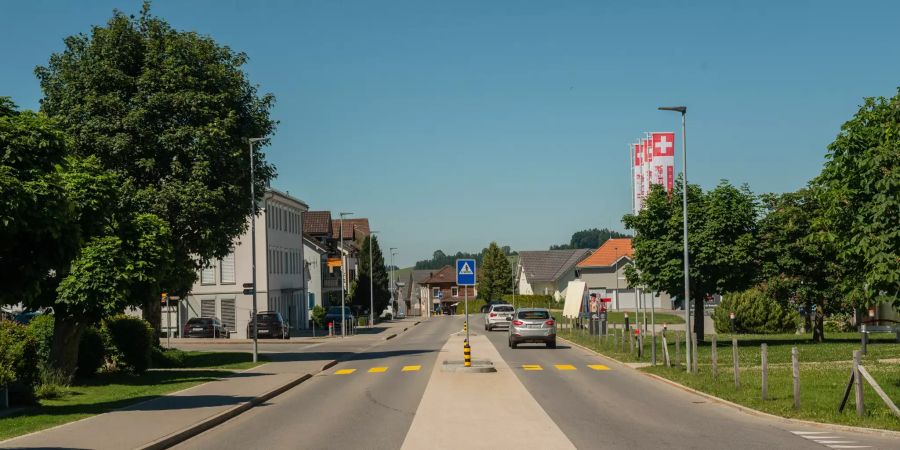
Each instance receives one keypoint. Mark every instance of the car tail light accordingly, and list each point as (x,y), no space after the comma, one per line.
(493,314)
(549,323)
(518,323)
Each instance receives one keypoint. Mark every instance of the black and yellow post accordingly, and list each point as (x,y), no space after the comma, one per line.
(467,353)
(465,326)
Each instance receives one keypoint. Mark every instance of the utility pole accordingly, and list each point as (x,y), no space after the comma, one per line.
(391,285)
(253,206)
(343,276)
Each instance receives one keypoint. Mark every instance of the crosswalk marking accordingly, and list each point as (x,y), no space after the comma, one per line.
(532,367)
(825,438)
(411,368)
(378,369)
(564,366)
(344,371)
(598,367)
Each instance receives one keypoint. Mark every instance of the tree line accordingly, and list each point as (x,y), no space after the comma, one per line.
(832,246)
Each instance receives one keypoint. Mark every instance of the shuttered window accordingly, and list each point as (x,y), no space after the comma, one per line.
(226,267)
(228,314)
(208,275)
(208,308)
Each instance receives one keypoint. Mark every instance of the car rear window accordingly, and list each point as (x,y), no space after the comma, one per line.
(503,309)
(534,315)
(267,317)
(198,321)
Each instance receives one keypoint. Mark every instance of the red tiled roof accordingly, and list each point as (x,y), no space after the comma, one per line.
(361,226)
(317,222)
(608,253)
(446,274)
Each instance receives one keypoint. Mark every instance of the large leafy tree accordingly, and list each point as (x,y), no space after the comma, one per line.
(170,113)
(721,240)
(495,274)
(860,196)
(360,287)
(592,238)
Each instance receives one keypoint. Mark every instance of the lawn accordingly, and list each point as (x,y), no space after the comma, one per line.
(618,317)
(108,391)
(824,371)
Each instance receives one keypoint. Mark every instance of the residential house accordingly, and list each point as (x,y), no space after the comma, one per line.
(442,290)
(326,231)
(281,284)
(548,272)
(315,256)
(416,294)
(604,273)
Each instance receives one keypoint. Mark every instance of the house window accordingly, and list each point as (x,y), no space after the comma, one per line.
(436,292)
(208,275)
(226,269)
(208,308)
(454,291)
(227,309)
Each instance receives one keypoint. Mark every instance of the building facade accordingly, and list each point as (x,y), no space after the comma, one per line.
(604,274)
(547,272)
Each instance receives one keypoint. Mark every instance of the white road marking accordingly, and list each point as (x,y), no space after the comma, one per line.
(809,432)
(850,446)
(824,438)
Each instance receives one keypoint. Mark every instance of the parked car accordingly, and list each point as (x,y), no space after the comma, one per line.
(205,327)
(485,308)
(497,315)
(532,325)
(270,324)
(334,315)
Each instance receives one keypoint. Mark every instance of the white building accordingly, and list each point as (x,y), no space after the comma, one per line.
(316,257)
(281,278)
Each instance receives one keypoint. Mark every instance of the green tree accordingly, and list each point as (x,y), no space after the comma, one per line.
(170,113)
(721,241)
(495,274)
(592,239)
(860,196)
(360,286)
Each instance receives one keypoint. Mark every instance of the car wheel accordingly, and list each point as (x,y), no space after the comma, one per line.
(551,344)
(512,344)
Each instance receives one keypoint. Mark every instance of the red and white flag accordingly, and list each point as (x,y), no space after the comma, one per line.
(663,149)
(637,176)
(648,164)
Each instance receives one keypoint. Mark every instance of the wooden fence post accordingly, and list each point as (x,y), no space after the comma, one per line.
(714,356)
(795,368)
(860,405)
(695,357)
(630,343)
(734,358)
(764,355)
(677,350)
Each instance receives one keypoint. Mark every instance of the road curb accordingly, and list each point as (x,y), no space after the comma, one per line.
(745,409)
(224,416)
(390,337)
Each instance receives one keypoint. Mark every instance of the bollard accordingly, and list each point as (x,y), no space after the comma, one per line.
(677,350)
(795,369)
(627,326)
(330,329)
(858,383)
(695,357)
(734,359)
(714,356)
(764,356)
(864,336)
(467,353)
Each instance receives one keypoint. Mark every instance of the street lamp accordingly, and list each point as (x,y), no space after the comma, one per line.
(253,207)
(684,213)
(371,291)
(392,278)
(343,274)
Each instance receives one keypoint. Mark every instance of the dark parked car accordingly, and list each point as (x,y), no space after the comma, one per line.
(334,315)
(205,327)
(270,325)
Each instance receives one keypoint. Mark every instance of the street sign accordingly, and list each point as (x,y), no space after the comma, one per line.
(465,272)
(248,289)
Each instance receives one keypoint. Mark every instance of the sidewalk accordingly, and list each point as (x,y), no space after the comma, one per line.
(161,422)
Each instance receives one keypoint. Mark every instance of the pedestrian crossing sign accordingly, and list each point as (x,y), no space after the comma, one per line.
(465,272)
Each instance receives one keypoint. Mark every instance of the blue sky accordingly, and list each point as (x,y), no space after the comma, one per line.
(451,124)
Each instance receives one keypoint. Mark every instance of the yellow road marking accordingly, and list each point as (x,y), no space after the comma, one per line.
(531,367)
(598,367)
(411,368)
(378,369)
(344,371)
(565,367)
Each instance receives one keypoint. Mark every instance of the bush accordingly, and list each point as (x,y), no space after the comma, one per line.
(474,306)
(18,362)
(91,353)
(162,358)
(41,329)
(318,316)
(527,301)
(129,342)
(756,313)
(838,323)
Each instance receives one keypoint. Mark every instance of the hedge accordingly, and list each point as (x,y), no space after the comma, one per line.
(756,313)
(129,342)
(528,301)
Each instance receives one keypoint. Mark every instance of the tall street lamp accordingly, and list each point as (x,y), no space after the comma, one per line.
(687,276)
(343,275)
(253,207)
(371,284)
(391,285)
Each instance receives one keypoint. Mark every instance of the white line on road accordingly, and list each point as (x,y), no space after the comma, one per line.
(810,432)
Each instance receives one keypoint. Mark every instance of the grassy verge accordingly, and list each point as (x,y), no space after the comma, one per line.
(824,371)
(618,317)
(108,391)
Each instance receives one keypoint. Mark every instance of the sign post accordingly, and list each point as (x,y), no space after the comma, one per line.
(165,298)
(465,276)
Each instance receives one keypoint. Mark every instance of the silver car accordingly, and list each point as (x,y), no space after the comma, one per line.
(496,316)
(532,325)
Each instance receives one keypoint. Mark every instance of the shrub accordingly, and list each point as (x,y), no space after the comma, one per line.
(838,323)
(527,301)
(41,329)
(755,312)
(91,353)
(129,342)
(162,358)
(474,306)
(18,362)
(318,315)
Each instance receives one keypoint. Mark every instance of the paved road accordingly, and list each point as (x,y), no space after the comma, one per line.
(339,410)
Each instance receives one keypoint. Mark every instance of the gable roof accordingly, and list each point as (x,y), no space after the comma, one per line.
(446,274)
(317,222)
(550,265)
(314,245)
(609,253)
(351,227)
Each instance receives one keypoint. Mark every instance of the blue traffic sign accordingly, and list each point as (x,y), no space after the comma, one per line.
(465,272)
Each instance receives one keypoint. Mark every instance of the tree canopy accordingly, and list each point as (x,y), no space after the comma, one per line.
(592,239)
(360,286)
(494,274)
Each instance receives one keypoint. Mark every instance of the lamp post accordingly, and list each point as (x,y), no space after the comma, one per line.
(391,284)
(343,274)
(253,207)
(371,284)
(687,276)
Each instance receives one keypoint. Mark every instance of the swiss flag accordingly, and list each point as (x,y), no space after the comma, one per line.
(638,157)
(663,144)
(648,150)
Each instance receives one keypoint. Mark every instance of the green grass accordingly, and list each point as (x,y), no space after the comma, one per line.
(824,371)
(100,394)
(175,358)
(618,317)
